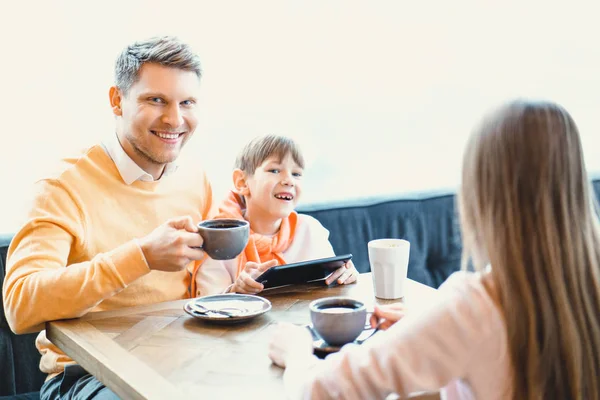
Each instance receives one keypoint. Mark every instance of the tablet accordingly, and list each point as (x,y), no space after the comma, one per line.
(302,272)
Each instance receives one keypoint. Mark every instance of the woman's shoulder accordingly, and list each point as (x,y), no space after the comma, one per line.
(473,295)
(467,280)
(469,283)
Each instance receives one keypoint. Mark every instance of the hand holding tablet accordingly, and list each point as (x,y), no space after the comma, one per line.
(302,272)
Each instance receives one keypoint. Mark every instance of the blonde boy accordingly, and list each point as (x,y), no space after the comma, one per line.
(267,183)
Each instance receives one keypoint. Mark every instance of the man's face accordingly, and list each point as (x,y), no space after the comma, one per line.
(158,115)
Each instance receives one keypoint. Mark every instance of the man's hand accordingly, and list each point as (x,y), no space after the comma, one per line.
(173,245)
(246,283)
(344,275)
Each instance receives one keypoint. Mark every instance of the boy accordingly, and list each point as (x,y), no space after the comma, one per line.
(267,186)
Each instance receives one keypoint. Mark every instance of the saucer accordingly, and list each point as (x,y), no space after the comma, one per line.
(240,307)
(321,348)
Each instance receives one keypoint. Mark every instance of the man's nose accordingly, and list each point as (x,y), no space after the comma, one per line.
(173,116)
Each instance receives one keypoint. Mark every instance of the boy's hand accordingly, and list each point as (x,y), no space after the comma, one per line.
(345,274)
(388,314)
(245,283)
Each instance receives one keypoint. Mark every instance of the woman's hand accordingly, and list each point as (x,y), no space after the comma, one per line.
(388,315)
(289,341)
(345,274)
(246,283)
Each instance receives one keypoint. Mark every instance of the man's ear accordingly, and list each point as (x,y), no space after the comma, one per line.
(240,182)
(115,96)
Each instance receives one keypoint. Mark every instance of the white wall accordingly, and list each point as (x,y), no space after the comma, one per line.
(381,93)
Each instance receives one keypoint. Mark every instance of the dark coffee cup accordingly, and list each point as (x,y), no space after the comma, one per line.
(338,320)
(224,239)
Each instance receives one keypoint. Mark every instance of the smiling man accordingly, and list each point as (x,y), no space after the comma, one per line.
(162,110)
(115,227)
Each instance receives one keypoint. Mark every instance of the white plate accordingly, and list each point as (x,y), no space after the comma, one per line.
(240,306)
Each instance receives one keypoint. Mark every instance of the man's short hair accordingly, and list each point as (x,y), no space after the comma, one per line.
(261,148)
(168,51)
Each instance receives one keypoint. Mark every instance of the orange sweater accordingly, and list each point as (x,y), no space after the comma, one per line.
(77,252)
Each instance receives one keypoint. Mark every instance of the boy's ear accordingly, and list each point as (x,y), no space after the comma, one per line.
(240,182)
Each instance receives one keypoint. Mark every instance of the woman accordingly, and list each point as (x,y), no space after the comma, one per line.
(526,325)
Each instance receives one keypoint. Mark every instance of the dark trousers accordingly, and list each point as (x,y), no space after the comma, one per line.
(75,384)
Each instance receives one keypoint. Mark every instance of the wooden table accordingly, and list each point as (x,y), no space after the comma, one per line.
(160,352)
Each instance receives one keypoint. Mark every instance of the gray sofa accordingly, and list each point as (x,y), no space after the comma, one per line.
(427,220)
(19,359)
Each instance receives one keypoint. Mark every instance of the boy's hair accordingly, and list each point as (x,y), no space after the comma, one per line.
(261,148)
(527,208)
(168,51)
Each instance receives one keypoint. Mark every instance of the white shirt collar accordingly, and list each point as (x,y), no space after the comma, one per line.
(128,169)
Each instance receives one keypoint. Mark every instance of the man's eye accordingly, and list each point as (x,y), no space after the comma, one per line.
(188,102)
(156,100)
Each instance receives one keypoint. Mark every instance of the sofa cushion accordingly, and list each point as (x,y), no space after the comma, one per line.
(19,368)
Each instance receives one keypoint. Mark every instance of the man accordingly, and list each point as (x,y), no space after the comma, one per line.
(96,237)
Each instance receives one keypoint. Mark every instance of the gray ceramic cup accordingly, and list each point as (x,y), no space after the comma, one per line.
(338,320)
(224,239)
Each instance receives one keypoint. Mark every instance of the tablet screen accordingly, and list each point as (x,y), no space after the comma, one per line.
(302,272)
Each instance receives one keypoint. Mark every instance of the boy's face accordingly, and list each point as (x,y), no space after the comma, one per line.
(274,189)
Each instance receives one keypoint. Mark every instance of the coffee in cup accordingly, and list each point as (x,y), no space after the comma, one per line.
(338,320)
(224,239)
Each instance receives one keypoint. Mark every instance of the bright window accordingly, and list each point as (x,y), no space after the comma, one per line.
(382,94)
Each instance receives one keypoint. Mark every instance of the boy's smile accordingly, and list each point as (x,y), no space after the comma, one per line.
(284,196)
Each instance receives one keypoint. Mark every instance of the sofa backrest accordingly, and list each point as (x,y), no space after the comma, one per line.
(429,221)
(4,243)
(19,358)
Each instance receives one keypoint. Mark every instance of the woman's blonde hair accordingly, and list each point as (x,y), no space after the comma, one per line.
(527,209)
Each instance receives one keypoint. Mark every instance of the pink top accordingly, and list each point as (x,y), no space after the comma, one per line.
(457,343)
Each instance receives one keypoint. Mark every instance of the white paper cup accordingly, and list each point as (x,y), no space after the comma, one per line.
(389,266)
